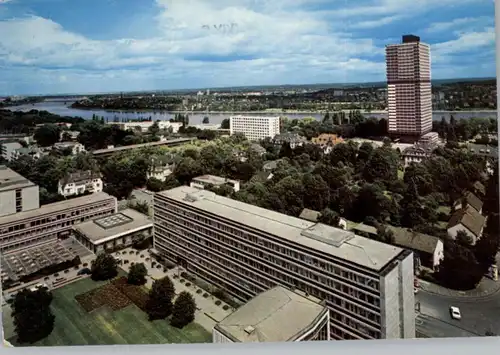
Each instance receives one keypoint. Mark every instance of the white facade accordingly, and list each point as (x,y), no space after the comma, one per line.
(7,149)
(144,126)
(255,127)
(438,254)
(201,182)
(75,147)
(76,187)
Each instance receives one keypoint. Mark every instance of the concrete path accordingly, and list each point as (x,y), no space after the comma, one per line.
(207,314)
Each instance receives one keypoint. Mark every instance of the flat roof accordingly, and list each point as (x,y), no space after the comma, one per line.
(212,179)
(134,146)
(10,180)
(342,244)
(55,207)
(275,315)
(107,228)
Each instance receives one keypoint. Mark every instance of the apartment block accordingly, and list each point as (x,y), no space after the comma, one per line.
(409,88)
(246,250)
(52,221)
(255,127)
(17,193)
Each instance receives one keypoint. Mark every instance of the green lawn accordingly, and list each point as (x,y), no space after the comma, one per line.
(74,326)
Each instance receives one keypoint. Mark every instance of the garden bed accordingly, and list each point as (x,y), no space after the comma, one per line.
(107,295)
(136,294)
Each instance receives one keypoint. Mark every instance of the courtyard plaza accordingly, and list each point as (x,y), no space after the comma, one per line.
(208,313)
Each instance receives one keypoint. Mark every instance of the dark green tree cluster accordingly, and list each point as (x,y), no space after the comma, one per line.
(104,267)
(159,305)
(183,310)
(137,274)
(454,130)
(33,318)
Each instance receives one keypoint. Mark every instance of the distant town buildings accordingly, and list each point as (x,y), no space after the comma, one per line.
(17,194)
(409,89)
(255,127)
(276,315)
(80,182)
(246,250)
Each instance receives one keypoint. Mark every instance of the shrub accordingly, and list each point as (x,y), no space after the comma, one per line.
(56,274)
(176,276)
(218,302)
(182,280)
(199,291)
(85,264)
(76,268)
(66,271)
(225,307)
(188,284)
(205,295)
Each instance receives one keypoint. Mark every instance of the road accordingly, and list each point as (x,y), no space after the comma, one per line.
(479,315)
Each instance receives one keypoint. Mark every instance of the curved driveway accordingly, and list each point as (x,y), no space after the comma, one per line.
(479,314)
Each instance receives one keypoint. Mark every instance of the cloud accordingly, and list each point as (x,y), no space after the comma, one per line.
(223,43)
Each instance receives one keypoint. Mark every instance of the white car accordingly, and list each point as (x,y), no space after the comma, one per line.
(455,313)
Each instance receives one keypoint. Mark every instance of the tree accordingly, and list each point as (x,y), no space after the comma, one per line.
(47,135)
(225,123)
(183,310)
(329,217)
(412,209)
(104,267)
(137,274)
(159,305)
(464,239)
(384,234)
(154,184)
(459,269)
(154,129)
(33,318)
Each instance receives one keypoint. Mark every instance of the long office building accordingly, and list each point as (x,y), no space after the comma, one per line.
(17,194)
(52,221)
(244,249)
(409,93)
(255,127)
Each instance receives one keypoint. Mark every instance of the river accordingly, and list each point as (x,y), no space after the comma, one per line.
(64,109)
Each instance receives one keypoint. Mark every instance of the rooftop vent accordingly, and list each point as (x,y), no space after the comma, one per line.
(249,329)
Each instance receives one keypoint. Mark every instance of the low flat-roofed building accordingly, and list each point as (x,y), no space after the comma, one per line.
(117,230)
(113,150)
(52,221)
(28,261)
(17,193)
(8,147)
(204,181)
(276,315)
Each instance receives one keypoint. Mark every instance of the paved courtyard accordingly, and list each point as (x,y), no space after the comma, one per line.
(207,314)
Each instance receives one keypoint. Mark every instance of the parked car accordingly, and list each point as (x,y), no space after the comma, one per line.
(455,313)
(85,271)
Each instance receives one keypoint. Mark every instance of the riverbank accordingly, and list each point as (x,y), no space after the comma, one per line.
(270,111)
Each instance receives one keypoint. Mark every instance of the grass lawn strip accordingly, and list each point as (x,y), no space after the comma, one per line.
(129,325)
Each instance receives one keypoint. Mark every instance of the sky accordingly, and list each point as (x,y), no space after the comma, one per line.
(90,46)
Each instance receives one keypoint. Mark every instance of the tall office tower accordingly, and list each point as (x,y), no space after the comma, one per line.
(255,127)
(246,250)
(409,88)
